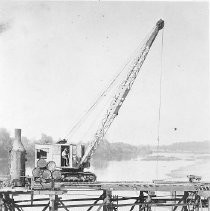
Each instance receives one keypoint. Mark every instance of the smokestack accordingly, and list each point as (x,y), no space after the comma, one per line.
(17,160)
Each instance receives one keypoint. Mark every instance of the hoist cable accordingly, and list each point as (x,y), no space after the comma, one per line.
(160,103)
(96,102)
(83,117)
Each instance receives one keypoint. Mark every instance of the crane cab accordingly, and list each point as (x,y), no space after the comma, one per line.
(64,155)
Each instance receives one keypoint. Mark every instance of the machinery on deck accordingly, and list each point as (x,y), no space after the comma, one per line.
(66,162)
(60,162)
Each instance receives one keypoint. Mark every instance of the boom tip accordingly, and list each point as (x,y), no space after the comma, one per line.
(160,24)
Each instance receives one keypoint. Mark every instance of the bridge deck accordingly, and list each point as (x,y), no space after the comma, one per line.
(191,196)
(168,186)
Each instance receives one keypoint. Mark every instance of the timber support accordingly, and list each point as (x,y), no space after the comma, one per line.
(1,202)
(104,196)
(107,202)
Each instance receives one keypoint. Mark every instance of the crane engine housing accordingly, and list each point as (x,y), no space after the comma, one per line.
(50,163)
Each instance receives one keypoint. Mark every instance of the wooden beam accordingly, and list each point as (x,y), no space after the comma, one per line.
(173,196)
(95,202)
(118,186)
(182,199)
(186,194)
(126,204)
(7,201)
(1,202)
(63,205)
(46,206)
(32,197)
(53,203)
(140,199)
(107,201)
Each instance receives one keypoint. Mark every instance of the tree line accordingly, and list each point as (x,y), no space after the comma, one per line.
(105,152)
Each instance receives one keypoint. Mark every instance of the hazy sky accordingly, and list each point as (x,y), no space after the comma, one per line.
(57,57)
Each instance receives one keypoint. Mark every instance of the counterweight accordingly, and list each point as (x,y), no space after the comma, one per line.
(120,95)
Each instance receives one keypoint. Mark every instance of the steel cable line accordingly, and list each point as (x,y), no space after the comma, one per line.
(160,103)
(103,94)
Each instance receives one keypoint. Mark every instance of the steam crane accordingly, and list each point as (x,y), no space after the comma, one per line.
(50,159)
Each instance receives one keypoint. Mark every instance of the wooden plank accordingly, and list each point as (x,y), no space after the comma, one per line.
(14,190)
(148,187)
(116,186)
(95,202)
(49,192)
(122,205)
(1,202)
(63,205)
(137,186)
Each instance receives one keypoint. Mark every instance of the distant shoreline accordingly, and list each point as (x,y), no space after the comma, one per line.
(160,158)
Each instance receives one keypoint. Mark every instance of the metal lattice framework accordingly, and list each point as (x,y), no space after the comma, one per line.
(121,94)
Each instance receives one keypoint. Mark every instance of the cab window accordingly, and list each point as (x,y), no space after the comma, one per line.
(41,153)
(74,150)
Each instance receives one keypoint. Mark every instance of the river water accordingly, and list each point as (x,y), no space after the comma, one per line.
(170,166)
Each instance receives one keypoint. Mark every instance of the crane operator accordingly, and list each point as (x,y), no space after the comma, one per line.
(65,156)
